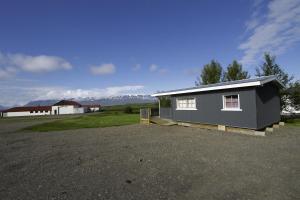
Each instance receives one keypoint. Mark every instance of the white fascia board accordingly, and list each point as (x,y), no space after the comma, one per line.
(221,87)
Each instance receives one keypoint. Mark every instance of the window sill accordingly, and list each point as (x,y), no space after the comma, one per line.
(186,108)
(232,109)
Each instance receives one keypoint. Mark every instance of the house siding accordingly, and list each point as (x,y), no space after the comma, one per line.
(209,109)
(25,113)
(166,113)
(268,105)
(67,109)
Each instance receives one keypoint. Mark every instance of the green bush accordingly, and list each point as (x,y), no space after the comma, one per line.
(165,102)
(128,110)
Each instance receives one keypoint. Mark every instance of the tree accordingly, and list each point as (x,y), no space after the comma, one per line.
(165,102)
(235,72)
(293,95)
(211,73)
(128,110)
(270,67)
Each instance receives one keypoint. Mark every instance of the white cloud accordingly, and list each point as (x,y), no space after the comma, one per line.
(39,63)
(256,15)
(136,67)
(16,95)
(257,3)
(153,68)
(156,68)
(103,69)
(7,72)
(162,71)
(10,64)
(58,93)
(274,32)
(251,24)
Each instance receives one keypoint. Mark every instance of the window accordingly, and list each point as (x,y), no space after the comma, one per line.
(231,103)
(36,111)
(186,104)
(31,111)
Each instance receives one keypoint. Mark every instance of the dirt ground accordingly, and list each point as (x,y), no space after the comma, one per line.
(148,162)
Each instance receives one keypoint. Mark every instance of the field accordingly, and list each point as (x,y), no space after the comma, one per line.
(146,162)
(110,116)
(293,122)
(135,107)
(88,121)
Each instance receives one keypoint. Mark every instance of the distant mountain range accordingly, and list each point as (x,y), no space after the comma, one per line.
(42,102)
(117,100)
(3,108)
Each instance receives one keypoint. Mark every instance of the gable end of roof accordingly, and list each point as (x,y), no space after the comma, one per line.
(67,103)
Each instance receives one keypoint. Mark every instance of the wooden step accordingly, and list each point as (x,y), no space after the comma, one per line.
(161,121)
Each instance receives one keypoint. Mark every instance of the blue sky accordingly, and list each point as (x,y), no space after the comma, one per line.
(70,49)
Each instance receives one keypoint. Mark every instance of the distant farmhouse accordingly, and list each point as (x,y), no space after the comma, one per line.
(63,107)
(250,103)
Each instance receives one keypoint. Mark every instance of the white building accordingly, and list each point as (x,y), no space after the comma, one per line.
(27,111)
(289,110)
(62,107)
(92,108)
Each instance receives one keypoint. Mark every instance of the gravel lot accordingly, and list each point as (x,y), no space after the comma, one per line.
(148,162)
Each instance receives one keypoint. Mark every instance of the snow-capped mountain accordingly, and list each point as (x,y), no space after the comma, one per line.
(109,101)
(42,102)
(3,107)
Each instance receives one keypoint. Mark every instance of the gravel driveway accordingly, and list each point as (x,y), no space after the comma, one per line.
(149,162)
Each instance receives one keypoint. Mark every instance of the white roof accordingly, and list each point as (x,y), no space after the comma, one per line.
(224,85)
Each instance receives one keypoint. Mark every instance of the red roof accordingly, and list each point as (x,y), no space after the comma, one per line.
(67,103)
(28,108)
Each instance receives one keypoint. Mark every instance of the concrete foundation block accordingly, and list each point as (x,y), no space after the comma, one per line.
(221,128)
(184,124)
(281,123)
(275,125)
(259,133)
(226,128)
(269,129)
(246,131)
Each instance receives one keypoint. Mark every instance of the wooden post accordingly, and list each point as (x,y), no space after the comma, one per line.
(149,115)
(159,107)
(140,115)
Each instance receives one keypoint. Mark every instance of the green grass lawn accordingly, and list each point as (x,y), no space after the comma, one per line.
(34,118)
(293,122)
(135,107)
(88,121)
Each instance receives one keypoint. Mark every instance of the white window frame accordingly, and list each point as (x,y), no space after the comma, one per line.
(186,108)
(231,109)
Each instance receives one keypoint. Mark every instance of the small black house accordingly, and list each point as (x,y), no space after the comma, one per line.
(249,103)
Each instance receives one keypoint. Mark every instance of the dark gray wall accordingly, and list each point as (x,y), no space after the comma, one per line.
(260,108)
(209,105)
(166,113)
(268,105)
